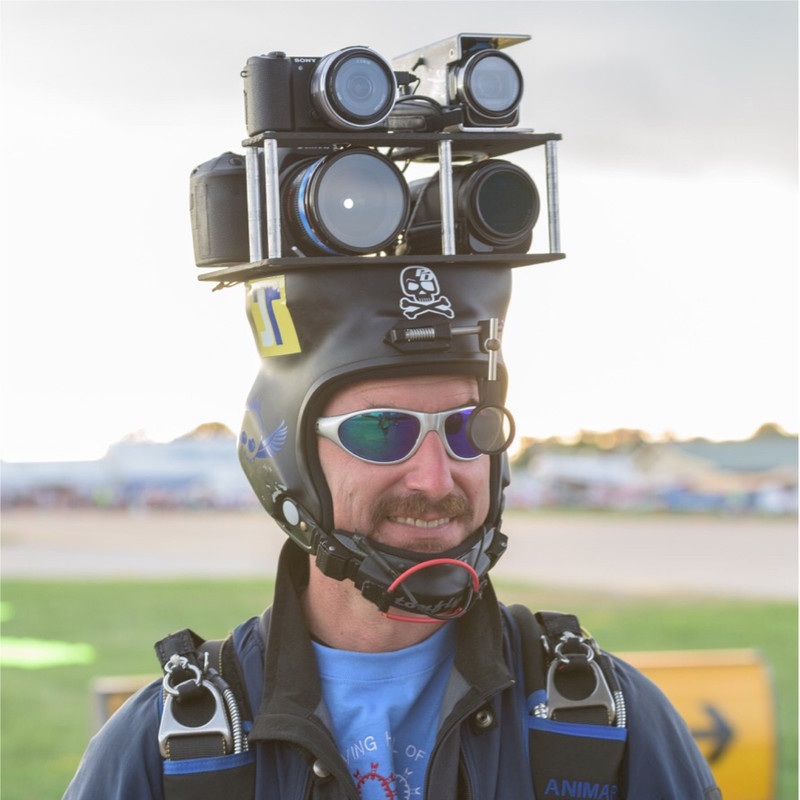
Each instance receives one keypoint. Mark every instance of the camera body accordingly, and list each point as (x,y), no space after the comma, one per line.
(468,70)
(350,89)
(218,210)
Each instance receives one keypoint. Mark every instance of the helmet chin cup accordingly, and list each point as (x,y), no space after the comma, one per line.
(405,597)
(433,587)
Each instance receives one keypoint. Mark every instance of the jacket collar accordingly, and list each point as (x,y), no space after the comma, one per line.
(292,691)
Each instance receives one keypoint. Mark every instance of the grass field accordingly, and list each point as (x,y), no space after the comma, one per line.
(46,713)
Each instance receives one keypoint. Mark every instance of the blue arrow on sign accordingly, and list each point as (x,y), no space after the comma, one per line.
(720,734)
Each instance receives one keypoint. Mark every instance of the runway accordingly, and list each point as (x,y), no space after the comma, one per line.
(629,554)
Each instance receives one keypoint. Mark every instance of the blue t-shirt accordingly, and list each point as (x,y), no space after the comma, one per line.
(384,710)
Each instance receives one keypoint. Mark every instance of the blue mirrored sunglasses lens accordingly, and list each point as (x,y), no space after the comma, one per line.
(455,429)
(380,436)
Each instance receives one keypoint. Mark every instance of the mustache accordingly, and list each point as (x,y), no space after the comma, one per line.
(420,505)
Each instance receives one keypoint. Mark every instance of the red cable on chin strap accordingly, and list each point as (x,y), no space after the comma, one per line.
(422,565)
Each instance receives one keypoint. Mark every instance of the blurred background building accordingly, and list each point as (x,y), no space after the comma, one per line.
(619,470)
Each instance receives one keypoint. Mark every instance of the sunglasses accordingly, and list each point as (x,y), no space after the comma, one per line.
(391,435)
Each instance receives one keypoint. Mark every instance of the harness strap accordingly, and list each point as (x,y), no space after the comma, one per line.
(576,712)
(222,656)
(184,643)
(554,624)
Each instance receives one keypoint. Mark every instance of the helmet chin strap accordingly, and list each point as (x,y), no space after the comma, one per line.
(432,587)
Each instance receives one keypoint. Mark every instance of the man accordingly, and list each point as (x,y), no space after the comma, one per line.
(385,667)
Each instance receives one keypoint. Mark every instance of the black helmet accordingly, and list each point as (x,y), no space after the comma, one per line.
(319,329)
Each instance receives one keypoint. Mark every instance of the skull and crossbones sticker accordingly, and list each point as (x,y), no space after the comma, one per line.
(422,294)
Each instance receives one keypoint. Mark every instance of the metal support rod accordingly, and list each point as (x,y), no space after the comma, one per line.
(446,197)
(254,203)
(462,330)
(272,191)
(493,346)
(552,197)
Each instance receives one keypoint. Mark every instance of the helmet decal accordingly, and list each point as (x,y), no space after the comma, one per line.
(422,294)
(253,444)
(270,318)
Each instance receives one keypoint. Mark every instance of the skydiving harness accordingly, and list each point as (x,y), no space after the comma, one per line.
(202,735)
(575,712)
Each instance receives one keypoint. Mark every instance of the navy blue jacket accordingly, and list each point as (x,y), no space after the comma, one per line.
(297,757)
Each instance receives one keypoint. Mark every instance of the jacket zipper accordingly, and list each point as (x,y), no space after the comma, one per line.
(462,768)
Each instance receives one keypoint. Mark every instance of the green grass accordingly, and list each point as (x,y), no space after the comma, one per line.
(46,713)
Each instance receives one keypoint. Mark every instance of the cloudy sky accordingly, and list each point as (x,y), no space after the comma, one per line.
(675,310)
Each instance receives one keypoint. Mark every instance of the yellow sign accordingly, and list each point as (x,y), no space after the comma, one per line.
(110,693)
(270,319)
(726,699)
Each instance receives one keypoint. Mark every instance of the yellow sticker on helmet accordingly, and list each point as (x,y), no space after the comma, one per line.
(270,319)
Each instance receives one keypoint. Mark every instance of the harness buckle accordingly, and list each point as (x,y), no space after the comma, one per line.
(575,656)
(171,727)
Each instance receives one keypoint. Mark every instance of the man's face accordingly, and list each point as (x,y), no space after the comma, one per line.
(428,503)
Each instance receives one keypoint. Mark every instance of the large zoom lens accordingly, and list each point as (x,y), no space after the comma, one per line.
(354,202)
(490,84)
(353,89)
(495,205)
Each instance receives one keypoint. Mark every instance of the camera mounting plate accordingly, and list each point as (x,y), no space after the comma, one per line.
(243,273)
(471,145)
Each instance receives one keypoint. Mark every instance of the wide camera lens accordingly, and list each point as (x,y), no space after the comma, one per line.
(354,202)
(353,89)
(491,83)
(495,204)
(504,201)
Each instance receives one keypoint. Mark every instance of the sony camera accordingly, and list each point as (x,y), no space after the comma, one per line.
(469,71)
(351,89)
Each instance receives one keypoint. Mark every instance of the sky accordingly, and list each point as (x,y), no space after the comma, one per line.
(675,311)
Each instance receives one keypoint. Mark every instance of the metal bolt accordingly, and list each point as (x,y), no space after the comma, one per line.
(320,770)
(484,718)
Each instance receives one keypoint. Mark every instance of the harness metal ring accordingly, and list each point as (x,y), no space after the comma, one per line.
(179,662)
(585,643)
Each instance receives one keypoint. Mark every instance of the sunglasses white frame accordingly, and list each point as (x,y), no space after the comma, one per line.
(328,427)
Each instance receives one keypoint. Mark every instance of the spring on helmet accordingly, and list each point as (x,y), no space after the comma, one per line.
(419,334)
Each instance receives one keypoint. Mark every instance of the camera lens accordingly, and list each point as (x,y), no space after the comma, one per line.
(491,429)
(504,202)
(354,202)
(495,205)
(353,89)
(491,83)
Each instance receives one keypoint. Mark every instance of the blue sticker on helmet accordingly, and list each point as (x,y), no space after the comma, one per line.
(254,444)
